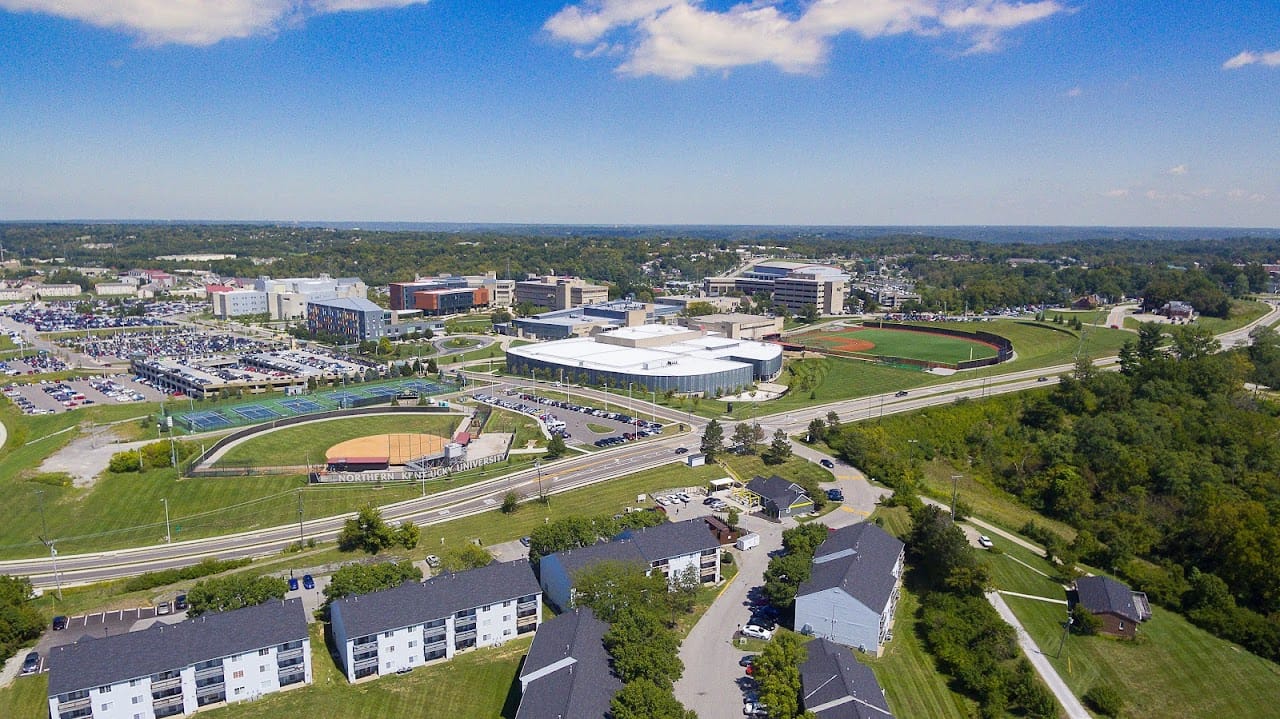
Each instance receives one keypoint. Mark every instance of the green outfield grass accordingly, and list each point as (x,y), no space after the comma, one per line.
(1095,317)
(903,343)
(306,443)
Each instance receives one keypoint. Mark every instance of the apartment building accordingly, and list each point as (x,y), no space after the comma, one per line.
(177,669)
(559,293)
(790,284)
(676,549)
(852,592)
(567,673)
(421,622)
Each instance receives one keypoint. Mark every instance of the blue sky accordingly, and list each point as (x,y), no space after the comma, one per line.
(1072,112)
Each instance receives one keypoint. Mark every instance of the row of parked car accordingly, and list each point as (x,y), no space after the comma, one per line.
(643,427)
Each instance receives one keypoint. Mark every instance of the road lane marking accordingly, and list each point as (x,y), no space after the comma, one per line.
(851,510)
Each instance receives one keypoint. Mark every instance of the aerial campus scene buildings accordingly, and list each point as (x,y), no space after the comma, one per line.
(620,359)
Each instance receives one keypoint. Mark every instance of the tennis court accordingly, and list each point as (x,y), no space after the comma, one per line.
(382,391)
(255,412)
(204,421)
(342,397)
(300,406)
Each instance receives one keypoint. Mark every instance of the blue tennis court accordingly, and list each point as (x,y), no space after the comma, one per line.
(299,406)
(423,387)
(255,412)
(344,397)
(201,421)
(382,391)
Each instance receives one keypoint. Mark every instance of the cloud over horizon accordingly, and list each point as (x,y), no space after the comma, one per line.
(196,22)
(677,38)
(1269,59)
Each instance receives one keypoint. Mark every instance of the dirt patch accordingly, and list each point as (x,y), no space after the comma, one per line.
(87,456)
(398,448)
(849,344)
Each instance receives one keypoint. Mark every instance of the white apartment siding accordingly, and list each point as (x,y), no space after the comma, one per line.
(834,615)
(245,676)
(419,644)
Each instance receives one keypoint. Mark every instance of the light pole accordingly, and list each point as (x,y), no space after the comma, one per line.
(631,407)
(168,537)
(653,407)
(537,464)
(300,538)
(955,495)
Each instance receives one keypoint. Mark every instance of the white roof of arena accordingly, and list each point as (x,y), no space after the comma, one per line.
(691,356)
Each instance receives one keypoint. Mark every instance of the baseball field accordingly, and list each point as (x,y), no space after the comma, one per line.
(901,343)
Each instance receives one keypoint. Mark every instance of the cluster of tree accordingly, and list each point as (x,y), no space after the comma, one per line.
(792,567)
(20,623)
(351,579)
(462,558)
(369,532)
(1166,468)
(776,670)
(205,568)
(222,594)
(818,429)
(573,532)
(641,611)
(157,455)
(964,633)
(556,447)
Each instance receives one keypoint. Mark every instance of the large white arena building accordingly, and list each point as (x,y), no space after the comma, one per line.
(655,357)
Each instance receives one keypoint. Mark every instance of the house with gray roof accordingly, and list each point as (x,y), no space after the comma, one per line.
(567,674)
(1120,608)
(853,588)
(779,497)
(835,685)
(420,622)
(676,549)
(176,669)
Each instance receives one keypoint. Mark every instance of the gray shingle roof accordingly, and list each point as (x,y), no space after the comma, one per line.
(833,678)
(416,602)
(1105,595)
(580,689)
(672,539)
(859,559)
(782,492)
(622,550)
(93,663)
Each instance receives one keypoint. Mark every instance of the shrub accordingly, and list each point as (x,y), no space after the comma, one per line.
(1105,700)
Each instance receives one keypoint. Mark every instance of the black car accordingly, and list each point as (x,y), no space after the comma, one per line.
(827,463)
(180,603)
(59,623)
(900,393)
(681,450)
(835,495)
(746,660)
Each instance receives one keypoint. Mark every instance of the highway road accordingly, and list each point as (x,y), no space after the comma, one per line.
(557,477)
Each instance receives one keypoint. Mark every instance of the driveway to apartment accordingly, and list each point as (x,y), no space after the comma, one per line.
(712,678)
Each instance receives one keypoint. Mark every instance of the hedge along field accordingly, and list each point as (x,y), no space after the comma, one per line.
(904,343)
(306,443)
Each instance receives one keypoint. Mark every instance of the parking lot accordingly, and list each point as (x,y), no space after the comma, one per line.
(571,419)
(51,397)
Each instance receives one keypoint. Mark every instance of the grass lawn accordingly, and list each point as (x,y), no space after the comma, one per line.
(306,443)
(1096,317)
(991,504)
(475,684)
(599,428)
(902,343)
(1242,313)
(746,466)
(523,426)
(460,342)
(26,698)
(910,678)
(1172,669)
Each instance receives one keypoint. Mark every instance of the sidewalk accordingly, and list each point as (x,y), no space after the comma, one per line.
(1070,705)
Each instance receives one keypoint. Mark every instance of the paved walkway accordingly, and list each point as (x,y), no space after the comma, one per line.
(1051,600)
(1070,705)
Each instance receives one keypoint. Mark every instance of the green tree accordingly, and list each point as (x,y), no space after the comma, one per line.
(367,531)
(468,556)
(642,699)
(1105,700)
(779,449)
(817,430)
(124,462)
(941,555)
(20,622)
(617,589)
(510,503)
(642,648)
(408,534)
(712,440)
(222,594)
(742,437)
(362,578)
(556,447)
(699,309)
(808,313)
(777,671)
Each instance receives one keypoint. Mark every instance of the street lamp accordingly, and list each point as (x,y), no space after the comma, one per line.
(168,537)
(537,464)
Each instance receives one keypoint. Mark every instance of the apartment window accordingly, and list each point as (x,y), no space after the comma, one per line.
(387,635)
(412,644)
(106,706)
(262,668)
(104,690)
(137,700)
(506,632)
(485,638)
(134,682)
(263,652)
(506,617)
(239,691)
(391,649)
(137,716)
(238,674)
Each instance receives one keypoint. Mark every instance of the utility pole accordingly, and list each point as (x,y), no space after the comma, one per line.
(955,495)
(168,537)
(300,537)
(537,464)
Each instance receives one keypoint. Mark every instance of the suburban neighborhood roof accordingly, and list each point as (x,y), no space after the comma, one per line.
(782,492)
(100,662)
(834,685)
(566,673)
(643,546)
(415,602)
(858,559)
(1103,595)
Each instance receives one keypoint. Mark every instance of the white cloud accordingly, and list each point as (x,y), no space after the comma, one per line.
(676,38)
(195,22)
(1117,193)
(1178,170)
(1270,59)
(1075,92)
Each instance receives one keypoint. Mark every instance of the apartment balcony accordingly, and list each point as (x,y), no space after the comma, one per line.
(288,654)
(292,676)
(208,672)
(74,704)
(366,663)
(84,711)
(168,701)
(361,656)
(215,688)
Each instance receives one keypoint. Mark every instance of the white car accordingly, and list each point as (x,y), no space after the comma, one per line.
(985,542)
(756,632)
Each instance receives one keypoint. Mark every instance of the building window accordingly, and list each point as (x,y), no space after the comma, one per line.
(238,674)
(263,652)
(387,635)
(134,682)
(137,700)
(104,690)
(106,706)
(412,644)
(262,668)
(239,691)
(506,617)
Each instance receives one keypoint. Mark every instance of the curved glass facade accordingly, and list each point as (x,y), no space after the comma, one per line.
(709,383)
